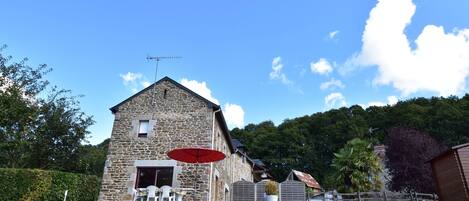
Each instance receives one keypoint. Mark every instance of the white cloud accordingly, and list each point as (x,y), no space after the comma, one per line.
(322,66)
(332,84)
(376,103)
(335,100)
(438,63)
(276,73)
(333,34)
(234,115)
(130,77)
(145,83)
(134,81)
(200,88)
(392,100)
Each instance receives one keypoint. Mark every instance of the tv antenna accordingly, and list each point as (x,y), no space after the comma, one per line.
(158,59)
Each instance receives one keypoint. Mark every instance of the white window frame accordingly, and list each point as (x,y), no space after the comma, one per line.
(147,125)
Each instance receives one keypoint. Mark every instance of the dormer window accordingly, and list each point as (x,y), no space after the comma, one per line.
(143,128)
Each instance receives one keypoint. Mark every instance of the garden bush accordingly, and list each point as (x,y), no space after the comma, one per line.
(271,188)
(43,185)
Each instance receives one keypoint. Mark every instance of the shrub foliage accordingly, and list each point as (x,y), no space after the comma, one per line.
(271,188)
(408,152)
(41,185)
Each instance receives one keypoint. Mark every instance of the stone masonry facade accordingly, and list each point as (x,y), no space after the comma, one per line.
(177,118)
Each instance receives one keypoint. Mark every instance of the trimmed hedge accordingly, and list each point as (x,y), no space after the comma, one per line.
(43,185)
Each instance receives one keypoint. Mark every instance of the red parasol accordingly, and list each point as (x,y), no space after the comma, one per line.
(196,155)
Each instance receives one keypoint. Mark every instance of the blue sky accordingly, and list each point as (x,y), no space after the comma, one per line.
(261,60)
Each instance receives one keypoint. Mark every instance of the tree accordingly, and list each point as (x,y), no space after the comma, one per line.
(37,132)
(408,151)
(307,143)
(92,158)
(61,128)
(357,167)
(19,86)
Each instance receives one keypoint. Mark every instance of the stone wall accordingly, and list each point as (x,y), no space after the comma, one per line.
(242,167)
(227,171)
(178,119)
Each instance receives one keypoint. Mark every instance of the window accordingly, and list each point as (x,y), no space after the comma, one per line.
(143,128)
(157,176)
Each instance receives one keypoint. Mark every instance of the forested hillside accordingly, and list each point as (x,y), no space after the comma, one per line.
(307,143)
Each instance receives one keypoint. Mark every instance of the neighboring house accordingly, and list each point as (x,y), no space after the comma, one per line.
(258,168)
(306,178)
(162,117)
(451,173)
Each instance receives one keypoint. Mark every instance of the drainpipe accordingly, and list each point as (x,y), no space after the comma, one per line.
(211,164)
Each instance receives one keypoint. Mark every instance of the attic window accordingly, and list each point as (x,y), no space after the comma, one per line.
(143,128)
(165,93)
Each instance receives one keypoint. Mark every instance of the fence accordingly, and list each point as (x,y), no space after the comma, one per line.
(295,191)
(376,196)
(248,191)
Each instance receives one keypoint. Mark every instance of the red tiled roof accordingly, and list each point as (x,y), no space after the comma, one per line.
(307,179)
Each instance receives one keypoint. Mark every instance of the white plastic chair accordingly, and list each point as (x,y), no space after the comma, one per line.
(166,193)
(151,193)
(178,195)
(134,194)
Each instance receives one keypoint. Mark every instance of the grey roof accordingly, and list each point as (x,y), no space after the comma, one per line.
(237,143)
(258,162)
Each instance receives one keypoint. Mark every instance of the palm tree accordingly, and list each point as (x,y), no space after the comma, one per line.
(357,167)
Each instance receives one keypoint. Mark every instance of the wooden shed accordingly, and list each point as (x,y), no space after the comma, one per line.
(451,173)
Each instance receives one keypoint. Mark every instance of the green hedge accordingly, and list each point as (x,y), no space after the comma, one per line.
(42,185)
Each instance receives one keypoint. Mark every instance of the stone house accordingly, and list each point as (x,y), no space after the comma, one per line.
(162,117)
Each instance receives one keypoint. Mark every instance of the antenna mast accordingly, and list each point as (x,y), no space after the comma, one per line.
(158,59)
